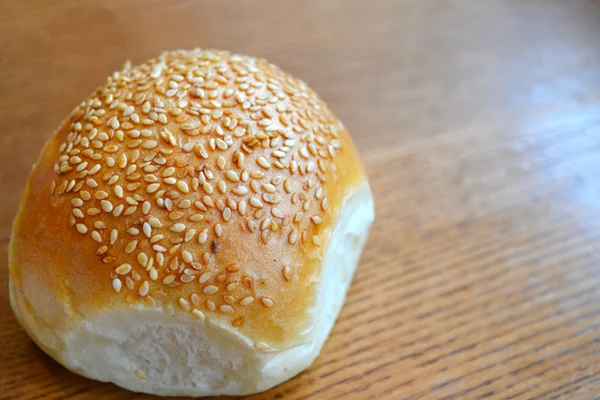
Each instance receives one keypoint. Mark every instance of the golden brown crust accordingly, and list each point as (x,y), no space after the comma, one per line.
(201,181)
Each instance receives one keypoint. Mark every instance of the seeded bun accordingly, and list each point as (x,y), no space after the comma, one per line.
(191,228)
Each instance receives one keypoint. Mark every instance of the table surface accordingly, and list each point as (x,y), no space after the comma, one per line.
(478,123)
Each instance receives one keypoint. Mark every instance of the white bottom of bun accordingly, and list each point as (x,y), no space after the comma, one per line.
(148,351)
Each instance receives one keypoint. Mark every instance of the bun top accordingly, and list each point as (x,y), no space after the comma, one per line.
(200,182)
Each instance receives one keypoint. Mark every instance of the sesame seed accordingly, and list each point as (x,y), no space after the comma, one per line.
(144,288)
(218,230)
(226,214)
(204,277)
(78,213)
(160,258)
(170,310)
(131,169)
(242,207)
(184,304)
(108,260)
(150,144)
(189,126)
(113,236)
(222,186)
(182,186)
(184,204)
(267,302)
(131,246)
(93,211)
(117,284)
(140,374)
(136,275)
(102,250)
(299,217)
(221,162)
(319,193)
(154,222)
(123,269)
(287,273)
(293,238)
(210,289)
(152,187)
(187,278)
(254,202)
(210,305)
(122,160)
(198,314)
(118,190)
(263,162)
(92,183)
(225,309)
(175,215)
(130,210)
(187,256)
(246,301)
(306,205)
(81,228)
(159,248)
(261,346)
(269,188)
(196,217)
(132,186)
(203,236)
(189,235)
(229,299)
(221,144)
(129,283)
(265,224)
(179,227)
(113,180)
(240,190)
(147,229)
(96,236)
(232,176)
(142,259)
(106,205)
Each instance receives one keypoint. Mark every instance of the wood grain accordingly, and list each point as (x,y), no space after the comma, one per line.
(478,122)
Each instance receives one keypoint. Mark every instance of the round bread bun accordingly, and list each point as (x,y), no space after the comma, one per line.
(191,228)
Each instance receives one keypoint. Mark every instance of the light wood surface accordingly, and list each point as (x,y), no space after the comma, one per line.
(479,124)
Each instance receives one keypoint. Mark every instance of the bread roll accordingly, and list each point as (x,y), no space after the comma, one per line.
(191,228)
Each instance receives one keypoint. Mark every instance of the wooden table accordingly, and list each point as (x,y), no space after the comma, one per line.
(479,124)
